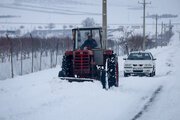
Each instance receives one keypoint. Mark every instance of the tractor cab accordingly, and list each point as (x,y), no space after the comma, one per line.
(81,36)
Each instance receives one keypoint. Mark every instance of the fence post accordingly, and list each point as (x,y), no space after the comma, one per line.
(50,50)
(21,46)
(57,47)
(40,54)
(11,55)
(32,69)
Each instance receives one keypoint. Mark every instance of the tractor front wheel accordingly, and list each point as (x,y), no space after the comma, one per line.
(67,67)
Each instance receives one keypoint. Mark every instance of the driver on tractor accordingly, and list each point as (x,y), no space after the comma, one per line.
(90,43)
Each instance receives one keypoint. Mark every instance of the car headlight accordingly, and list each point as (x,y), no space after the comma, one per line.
(148,65)
(127,65)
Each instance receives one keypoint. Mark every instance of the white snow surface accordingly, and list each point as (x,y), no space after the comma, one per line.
(43,96)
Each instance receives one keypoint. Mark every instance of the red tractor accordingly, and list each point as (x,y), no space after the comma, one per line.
(87,62)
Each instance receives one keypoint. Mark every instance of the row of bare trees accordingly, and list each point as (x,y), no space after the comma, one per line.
(134,42)
(22,48)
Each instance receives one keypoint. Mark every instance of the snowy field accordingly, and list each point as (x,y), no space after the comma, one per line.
(43,96)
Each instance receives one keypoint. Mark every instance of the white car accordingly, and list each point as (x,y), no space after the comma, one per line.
(140,63)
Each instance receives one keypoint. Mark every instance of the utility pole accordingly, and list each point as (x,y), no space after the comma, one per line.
(144,23)
(104,22)
(156,30)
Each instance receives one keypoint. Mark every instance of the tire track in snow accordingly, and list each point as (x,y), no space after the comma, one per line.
(148,104)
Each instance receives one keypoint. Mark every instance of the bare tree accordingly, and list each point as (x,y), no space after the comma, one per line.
(51,26)
(88,22)
(70,26)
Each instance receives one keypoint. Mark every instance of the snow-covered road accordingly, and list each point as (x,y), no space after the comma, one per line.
(43,96)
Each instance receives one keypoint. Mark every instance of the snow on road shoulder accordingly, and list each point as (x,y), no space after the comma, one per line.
(167,104)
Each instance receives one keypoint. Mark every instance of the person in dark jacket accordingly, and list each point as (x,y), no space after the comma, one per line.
(89,42)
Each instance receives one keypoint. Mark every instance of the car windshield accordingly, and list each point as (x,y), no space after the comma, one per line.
(139,56)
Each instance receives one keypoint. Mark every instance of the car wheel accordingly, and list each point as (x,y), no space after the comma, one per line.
(152,74)
(126,74)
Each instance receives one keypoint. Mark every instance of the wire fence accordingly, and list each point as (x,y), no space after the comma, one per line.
(23,55)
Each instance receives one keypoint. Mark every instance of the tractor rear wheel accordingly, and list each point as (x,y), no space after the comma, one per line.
(112,71)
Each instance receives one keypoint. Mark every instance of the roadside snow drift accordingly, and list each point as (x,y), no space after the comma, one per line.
(43,96)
